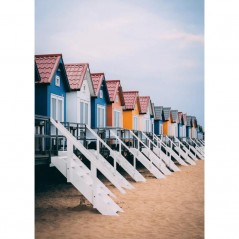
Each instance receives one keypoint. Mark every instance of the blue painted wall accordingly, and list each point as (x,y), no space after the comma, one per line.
(157,124)
(98,101)
(188,131)
(41,99)
(43,93)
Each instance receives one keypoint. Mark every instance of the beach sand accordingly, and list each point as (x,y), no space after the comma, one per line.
(168,208)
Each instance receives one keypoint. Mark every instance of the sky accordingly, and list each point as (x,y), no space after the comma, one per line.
(153,46)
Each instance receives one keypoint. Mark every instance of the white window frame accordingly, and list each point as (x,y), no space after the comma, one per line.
(116,98)
(98,118)
(58,81)
(119,119)
(57,97)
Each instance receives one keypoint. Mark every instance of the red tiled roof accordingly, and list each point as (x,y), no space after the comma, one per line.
(144,103)
(97,81)
(130,98)
(47,65)
(113,87)
(76,74)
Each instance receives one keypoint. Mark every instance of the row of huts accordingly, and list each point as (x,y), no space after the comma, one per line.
(72,93)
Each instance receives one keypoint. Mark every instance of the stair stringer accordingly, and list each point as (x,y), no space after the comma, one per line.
(98,195)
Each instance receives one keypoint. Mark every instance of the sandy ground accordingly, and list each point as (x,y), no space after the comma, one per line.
(168,208)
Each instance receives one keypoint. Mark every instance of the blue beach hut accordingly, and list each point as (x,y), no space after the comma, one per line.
(51,85)
(158,120)
(99,103)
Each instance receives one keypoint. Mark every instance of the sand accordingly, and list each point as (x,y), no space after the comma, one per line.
(166,208)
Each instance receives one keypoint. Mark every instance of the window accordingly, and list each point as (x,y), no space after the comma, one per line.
(101,94)
(116,98)
(84,113)
(57,81)
(57,107)
(135,126)
(117,118)
(100,116)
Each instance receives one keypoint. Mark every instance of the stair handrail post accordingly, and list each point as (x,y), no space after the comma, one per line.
(97,147)
(69,160)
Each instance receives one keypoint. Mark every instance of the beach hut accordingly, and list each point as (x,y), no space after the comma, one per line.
(78,104)
(200,133)
(100,101)
(116,105)
(189,127)
(173,123)
(131,111)
(184,123)
(158,120)
(180,124)
(146,113)
(51,85)
(166,120)
(194,127)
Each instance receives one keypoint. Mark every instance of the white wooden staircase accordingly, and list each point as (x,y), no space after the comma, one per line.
(158,151)
(91,187)
(170,151)
(152,156)
(86,180)
(142,159)
(183,151)
(118,158)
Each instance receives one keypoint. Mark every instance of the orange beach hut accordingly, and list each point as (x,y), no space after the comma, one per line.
(131,111)
(116,105)
(166,120)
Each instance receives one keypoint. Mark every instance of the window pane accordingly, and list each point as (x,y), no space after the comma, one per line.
(86,113)
(81,112)
(53,108)
(60,109)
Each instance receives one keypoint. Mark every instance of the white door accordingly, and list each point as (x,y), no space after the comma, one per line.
(117,118)
(57,107)
(100,116)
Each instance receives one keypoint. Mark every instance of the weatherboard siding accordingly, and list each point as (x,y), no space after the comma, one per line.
(41,99)
(128,117)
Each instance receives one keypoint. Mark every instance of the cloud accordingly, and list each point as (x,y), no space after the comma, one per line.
(127,42)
